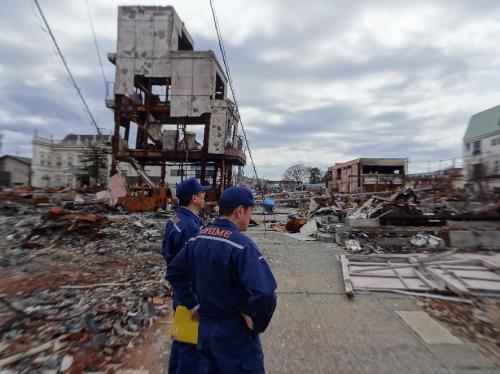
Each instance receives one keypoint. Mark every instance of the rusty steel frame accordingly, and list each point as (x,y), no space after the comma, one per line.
(127,113)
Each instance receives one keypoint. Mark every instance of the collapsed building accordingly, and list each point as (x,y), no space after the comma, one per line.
(170,102)
(367,175)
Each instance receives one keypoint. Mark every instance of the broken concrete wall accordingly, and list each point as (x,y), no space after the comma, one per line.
(193,82)
(222,123)
(146,34)
(169,139)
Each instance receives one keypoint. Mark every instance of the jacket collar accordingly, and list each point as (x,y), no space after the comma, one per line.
(225,222)
(187,212)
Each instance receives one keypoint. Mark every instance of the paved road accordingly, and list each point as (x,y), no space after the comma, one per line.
(316,329)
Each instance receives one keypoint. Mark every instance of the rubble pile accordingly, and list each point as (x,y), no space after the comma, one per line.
(390,209)
(72,297)
(478,322)
(400,223)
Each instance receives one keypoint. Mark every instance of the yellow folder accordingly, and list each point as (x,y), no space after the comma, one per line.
(183,327)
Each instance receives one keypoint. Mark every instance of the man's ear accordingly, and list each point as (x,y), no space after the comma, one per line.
(239,211)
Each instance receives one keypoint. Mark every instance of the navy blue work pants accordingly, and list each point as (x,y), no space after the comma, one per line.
(184,359)
(227,346)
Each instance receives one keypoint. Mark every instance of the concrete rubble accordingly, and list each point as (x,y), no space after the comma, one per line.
(73,298)
(438,246)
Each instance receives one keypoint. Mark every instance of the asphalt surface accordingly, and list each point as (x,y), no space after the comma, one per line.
(316,329)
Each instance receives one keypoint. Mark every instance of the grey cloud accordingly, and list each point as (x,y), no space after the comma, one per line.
(452,73)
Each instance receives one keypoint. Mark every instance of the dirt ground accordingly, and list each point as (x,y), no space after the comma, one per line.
(150,352)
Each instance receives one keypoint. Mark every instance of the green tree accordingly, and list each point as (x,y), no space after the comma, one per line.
(94,164)
(327,177)
(315,175)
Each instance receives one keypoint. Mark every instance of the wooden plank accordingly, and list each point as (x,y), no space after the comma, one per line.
(347,277)
(31,352)
(431,284)
(408,265)
(397,274)
(452,284)
(490,265)
(413,284)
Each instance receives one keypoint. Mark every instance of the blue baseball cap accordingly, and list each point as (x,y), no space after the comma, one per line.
(236,196)
(189,187)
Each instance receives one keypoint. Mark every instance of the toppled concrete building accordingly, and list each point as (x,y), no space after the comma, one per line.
(367,175)
(162,90)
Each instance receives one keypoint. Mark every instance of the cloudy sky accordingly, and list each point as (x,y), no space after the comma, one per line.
(318,81)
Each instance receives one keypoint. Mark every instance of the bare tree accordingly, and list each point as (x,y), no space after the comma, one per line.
(298,173)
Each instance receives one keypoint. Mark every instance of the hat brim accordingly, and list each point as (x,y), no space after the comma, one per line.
(205,188)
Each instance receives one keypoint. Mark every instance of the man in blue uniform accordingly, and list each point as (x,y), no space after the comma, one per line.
(222,271)
(183,226)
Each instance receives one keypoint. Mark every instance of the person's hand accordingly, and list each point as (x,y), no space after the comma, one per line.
(248,321)
(194,313)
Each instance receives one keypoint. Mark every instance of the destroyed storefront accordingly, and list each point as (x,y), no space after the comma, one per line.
(170,102)
(368,175)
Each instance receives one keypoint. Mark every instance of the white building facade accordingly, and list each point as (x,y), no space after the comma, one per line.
(481,149)
(59,163)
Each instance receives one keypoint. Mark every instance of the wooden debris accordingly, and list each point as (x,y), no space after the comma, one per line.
(347,278)
(31,352)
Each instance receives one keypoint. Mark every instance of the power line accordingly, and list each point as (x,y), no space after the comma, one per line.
(95,43)
(233,93)
(73,82)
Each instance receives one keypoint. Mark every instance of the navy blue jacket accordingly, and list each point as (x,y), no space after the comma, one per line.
(179,229)
(224,270)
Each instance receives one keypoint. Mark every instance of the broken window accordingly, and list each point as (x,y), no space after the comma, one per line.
(382,169)
(183,43)
(478,170)
(160,93)
(219,87)
(476,147)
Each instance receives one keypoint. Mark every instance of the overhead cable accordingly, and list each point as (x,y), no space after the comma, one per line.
(95,43)
(231,85)
(68,71)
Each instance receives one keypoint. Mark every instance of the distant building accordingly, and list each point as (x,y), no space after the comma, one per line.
(446,179)
(482,150)
(60,163)
(15,171)
(367,175)
(282,185)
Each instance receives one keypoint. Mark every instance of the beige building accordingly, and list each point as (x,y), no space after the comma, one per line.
(59,163)
(367,175)
(15,170)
